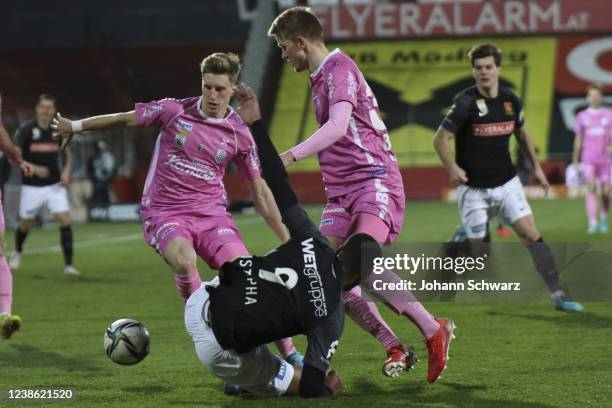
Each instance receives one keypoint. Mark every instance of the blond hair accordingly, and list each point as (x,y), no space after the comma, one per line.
(221,63)
(296,22)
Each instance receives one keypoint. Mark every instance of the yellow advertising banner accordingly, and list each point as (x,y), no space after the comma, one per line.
(415,82)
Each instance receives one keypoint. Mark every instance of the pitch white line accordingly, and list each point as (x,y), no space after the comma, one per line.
(85,244)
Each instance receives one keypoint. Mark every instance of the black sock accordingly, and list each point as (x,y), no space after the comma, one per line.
(66,241)
(20,237)
(544,262)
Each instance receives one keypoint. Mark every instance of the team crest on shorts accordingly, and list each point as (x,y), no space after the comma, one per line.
(220,156)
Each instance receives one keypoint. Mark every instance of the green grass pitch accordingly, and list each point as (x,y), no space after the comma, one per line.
(506,355)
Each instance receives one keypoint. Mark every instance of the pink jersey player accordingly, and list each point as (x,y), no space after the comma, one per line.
(189,161)
(363,185)
(592,146)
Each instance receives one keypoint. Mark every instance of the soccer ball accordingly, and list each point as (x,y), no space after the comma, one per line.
(126,341)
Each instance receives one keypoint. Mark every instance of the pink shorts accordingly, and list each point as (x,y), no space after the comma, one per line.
(387,203)
(208,235)
(598,171)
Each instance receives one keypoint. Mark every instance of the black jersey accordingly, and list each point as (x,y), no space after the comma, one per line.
(39,148)
(295,289)
(482,128)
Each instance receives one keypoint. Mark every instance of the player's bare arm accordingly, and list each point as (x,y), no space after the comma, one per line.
(65,177)
(456,173)
(265,204)
(577,149)
(65,128)
(13,154)
(537,169)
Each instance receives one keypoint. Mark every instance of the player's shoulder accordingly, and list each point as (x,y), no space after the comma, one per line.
(340,60)
(27,126)
(235,120)
(507,93)
(466,96)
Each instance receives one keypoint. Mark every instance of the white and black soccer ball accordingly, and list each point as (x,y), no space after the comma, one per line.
(126,341)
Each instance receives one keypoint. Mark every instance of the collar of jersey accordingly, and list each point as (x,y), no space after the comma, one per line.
(316,71)
(230,110)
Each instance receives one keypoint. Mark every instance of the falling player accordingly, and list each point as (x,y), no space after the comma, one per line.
(592,149)
(363,185)
(9,323)
(183,206)
(482,119)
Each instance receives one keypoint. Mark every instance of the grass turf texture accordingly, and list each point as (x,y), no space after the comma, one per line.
(519,355)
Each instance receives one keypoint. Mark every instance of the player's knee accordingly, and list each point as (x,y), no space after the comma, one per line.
(357,256)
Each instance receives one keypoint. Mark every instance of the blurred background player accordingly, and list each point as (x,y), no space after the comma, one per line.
(363,185)
(47,185)
(183,207)
(592,150)
(482,119)
(9,323)
(100,169)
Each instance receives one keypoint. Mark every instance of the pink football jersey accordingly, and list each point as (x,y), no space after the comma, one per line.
(364,153)
(190,157)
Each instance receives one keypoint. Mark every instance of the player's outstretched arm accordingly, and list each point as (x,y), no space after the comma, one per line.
(328,134)
(294,217)
(65,128)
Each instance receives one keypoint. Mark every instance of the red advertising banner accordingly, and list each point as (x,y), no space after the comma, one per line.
(464,18)
(583,60)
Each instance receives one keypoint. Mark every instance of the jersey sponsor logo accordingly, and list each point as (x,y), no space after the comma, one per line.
(220,156)
(493,129)
(483,109)
(508,108)
(327,221)
(36,133)
(352,85)
(165,233)
(184,125)
(196,169)
(316,291)
(166,225)
(50,147)
(330,86)
(333,210)
(151,110)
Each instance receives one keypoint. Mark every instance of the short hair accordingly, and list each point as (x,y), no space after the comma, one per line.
(357,257)
(483,51)
(221,63)
(594,86)
(46,97)
(296,22)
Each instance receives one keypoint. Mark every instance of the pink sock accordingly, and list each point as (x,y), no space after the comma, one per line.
(366,315)
(404,303)
(591,207)
(187,284)
(285,346)
(6,287)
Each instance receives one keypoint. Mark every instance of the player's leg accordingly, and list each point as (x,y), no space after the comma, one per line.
(515,210)
(590,199)
(603,179)
(218,241)
(9,323)
(179,254)
(31,199)
(57,202)
(258,371)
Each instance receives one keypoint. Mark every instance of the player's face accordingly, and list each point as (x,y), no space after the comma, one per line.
(217,90)
(45,110)
(594,98)
(485,72)
(294,53)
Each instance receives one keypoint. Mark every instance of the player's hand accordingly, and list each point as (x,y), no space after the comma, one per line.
(333,382)
(41,172)
(62,129)
(457,176)
(539,173)
(65,179)
(287,158)
(249,109)
(26,168)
